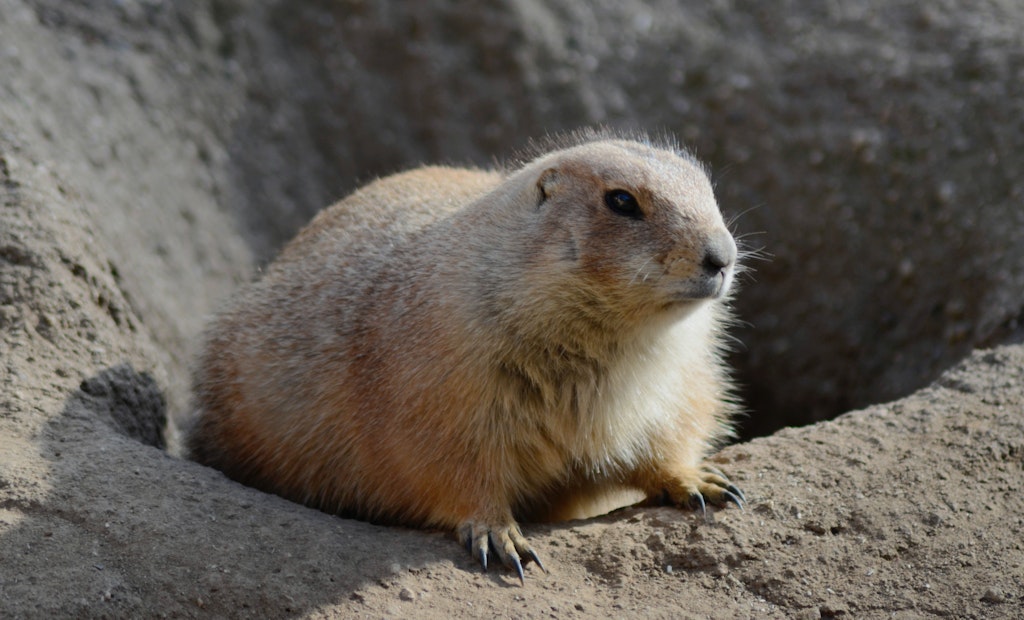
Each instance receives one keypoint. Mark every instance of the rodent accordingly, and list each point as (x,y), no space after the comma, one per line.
(459,348)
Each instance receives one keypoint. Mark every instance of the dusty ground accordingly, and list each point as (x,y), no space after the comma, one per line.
(151,153)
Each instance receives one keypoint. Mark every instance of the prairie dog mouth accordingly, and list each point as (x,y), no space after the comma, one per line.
(706,286)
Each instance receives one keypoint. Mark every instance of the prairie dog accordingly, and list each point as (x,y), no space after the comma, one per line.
(455,348)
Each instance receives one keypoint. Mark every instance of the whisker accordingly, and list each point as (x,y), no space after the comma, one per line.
(754,254)
(750,234)
(735,218)
(637,274)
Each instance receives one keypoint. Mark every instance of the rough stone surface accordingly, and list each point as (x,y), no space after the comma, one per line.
(152,153)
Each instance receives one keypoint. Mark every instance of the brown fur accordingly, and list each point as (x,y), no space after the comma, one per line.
(459,348)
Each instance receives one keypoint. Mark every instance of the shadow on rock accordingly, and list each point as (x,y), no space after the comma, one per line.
(139,532)
(130,402)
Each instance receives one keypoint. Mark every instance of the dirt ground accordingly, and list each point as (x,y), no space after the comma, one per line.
(910,509)
(150,158)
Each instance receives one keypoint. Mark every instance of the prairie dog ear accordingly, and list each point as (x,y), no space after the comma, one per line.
(547,183)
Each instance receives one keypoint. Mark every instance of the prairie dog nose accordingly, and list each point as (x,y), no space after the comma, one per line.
(719,252)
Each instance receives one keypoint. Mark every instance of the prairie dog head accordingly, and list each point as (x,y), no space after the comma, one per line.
(638,224)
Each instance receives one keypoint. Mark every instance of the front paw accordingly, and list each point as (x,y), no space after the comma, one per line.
(696,487)
(504,540)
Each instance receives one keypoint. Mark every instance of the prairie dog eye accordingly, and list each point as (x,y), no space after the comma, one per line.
(623,203)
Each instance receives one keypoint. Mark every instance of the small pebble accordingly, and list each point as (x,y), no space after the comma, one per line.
(406,595)
(993,595)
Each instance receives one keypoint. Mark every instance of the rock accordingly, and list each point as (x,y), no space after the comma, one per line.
(993,595)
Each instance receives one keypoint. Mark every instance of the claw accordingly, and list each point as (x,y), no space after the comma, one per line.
(697,503)
(483,557)
(533,556)
(735,490)
(518,565)
(729,496)
(711,469)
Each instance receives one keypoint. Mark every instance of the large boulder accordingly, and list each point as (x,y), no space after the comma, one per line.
(152,154)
